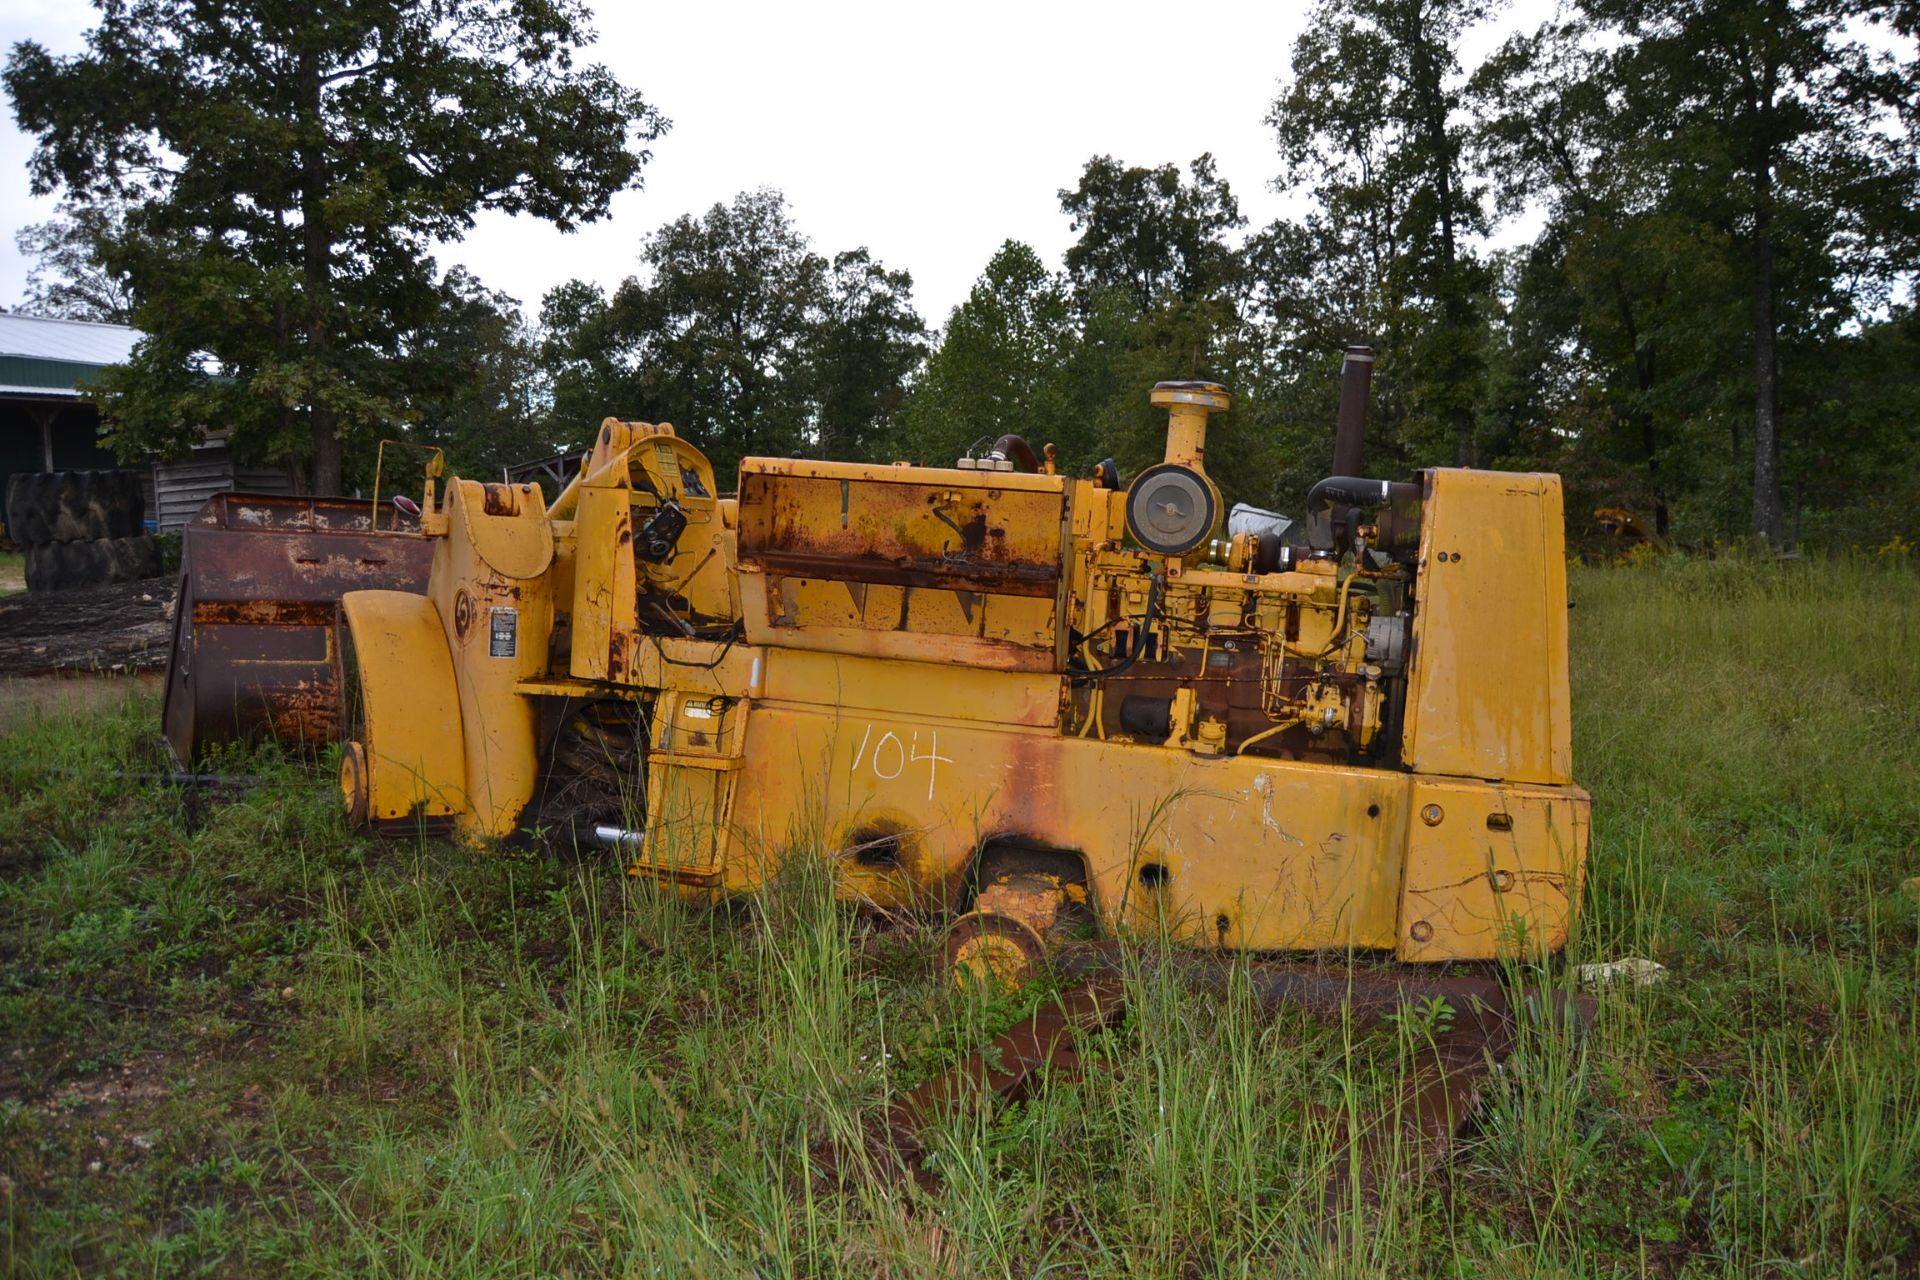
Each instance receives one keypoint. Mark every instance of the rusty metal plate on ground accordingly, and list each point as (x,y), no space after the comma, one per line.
(1412,1134)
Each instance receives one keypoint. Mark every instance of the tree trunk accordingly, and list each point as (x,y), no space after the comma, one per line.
(1762,82)
(1766,371)
(1643,373)
(1650,438)
(1463,451)
(317,276)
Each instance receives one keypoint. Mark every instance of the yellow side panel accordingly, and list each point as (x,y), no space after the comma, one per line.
(1491,869)
(604,588)
(410,705)
(498,632)
(1487,695)
(684,808)
(935,692)
(1224,851)
(518,546)
(693,759)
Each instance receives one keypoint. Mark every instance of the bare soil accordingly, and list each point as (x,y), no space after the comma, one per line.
(125,626)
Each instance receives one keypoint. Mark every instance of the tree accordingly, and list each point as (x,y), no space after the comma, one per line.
(474,380)
(1370,124)
(69,280)
(721,323)
(866,339)
(1619,292)
(287,168)
(1001,366)
(1312,289)
(1148,233)
(1156,285)
(1766,120)
(589,362)
(740,333)
(1861,485)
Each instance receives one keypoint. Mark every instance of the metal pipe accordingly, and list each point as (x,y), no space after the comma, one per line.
(1015,449)
(174,777)
(625,839)
(1350,439)
(1353,491)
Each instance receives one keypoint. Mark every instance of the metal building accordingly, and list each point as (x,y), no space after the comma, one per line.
(48,421)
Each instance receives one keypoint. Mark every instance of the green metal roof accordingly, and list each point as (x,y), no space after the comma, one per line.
(23,372)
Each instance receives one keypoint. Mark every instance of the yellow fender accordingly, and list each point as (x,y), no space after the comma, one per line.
(409,761)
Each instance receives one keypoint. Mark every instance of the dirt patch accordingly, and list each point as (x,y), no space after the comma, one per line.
(125,626)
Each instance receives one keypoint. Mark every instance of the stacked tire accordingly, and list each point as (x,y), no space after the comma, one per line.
(81,528)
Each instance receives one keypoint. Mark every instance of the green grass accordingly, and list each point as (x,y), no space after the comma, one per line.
(235,1040)
(13,572)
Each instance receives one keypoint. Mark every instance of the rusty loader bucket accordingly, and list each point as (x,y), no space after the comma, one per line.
(257,629)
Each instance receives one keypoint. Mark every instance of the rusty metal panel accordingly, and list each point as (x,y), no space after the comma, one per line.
(910,527)
(257,629)
(1241,852)
(928,565)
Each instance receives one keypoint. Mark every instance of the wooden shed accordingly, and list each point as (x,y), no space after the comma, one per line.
(182,487)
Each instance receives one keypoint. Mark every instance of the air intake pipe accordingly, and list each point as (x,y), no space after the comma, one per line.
(1173,507)
(1329,518)
(1352,491)
(1397,502)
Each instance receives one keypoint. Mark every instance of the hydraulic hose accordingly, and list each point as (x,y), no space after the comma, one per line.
(1139,644)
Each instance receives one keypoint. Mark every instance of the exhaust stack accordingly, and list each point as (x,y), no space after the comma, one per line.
(1350,440)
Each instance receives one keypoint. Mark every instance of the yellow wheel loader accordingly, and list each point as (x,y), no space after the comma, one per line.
(1047,705)
(1057,711)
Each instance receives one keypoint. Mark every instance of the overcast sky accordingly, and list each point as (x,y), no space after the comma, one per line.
(928,133)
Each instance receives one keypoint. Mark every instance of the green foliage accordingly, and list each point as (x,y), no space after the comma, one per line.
(1731,195)
(1710,327)
(1368,123)
(741,335)
(1147,295)
(1149,233)
(474,374)
(285,170)
(1000,365)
